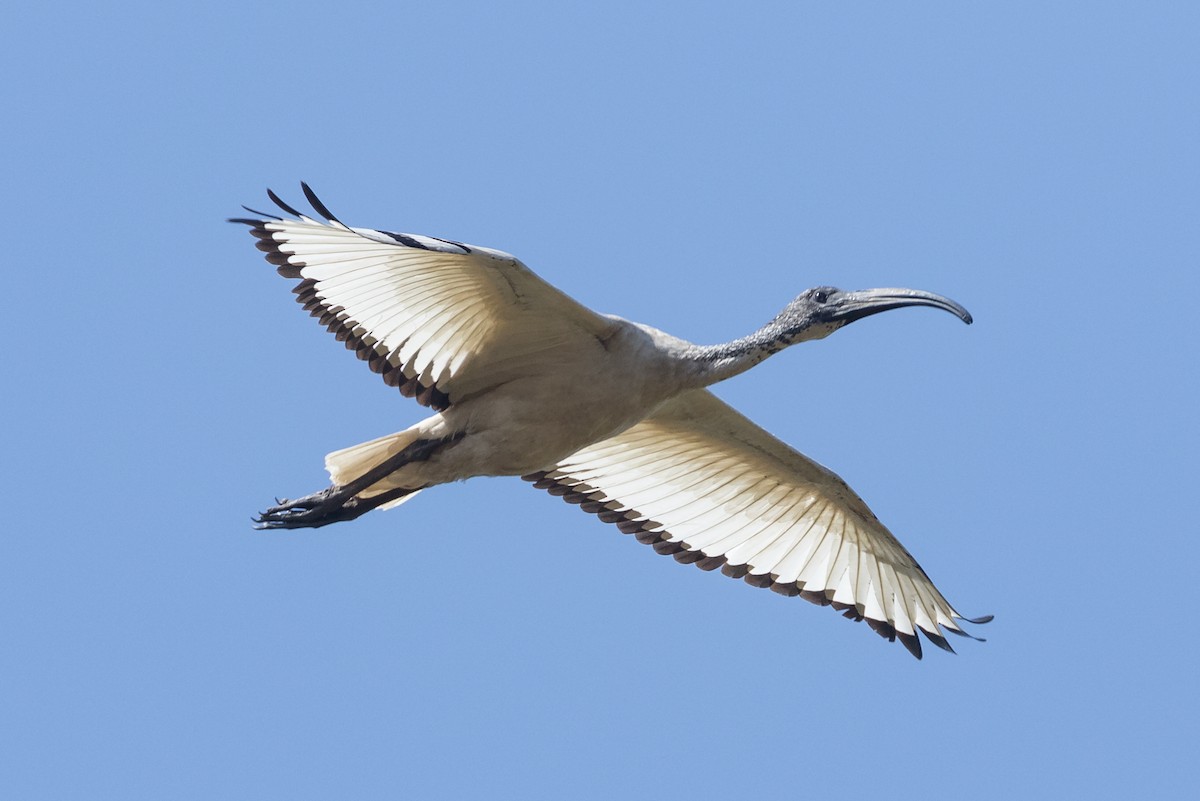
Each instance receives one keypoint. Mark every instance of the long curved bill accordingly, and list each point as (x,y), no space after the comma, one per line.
(847,307)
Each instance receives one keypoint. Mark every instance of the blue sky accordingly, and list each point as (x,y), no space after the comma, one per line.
(689,165)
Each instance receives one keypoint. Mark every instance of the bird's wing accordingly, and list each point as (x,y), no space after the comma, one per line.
(441,320)
(701,482)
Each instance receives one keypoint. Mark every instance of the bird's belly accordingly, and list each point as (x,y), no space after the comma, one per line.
(524,427)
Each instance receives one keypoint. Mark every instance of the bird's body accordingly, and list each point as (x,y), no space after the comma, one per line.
(531,422)
(610,414)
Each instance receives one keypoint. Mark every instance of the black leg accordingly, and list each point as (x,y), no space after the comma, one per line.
(337,503)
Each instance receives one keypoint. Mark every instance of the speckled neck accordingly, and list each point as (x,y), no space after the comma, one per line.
(713,363)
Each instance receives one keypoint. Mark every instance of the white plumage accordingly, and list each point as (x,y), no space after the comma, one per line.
(609,414)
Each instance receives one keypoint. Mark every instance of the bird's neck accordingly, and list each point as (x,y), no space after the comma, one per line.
(713,363)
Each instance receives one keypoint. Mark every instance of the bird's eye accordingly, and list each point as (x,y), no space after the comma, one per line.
(820,296)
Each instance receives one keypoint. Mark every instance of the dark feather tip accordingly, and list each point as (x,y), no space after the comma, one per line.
(938,640)
(911,642)
(262,213)
(275,199)
(961,633)
(317,204)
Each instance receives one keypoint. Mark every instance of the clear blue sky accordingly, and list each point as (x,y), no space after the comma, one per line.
(690,165)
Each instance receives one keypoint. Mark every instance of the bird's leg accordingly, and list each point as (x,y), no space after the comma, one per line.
(337,503)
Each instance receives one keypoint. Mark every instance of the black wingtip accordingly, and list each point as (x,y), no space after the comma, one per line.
(969,636)
(244,221)
(262,213)
(317,204)
(275,199)
(911,642)
(938,640)
(979,621)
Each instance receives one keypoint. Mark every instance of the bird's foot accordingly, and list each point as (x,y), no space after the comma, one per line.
(307,502)
(330,505)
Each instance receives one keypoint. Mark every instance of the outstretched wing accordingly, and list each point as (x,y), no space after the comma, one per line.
(439,319)
(701,482)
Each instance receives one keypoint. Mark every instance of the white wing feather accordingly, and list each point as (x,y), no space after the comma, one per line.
(438,319)
(702,482)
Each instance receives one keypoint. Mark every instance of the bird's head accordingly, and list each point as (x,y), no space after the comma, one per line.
(820,311)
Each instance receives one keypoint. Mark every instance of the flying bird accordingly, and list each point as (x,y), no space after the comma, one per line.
(611,415)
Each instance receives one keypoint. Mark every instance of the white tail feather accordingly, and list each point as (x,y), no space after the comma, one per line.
(349,463)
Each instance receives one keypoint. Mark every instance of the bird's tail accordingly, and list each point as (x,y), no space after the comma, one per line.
(349,463)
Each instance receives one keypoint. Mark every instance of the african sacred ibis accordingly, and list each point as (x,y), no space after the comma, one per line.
(608,414)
